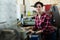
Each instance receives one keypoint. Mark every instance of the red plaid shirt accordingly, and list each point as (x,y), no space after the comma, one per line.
(43,23)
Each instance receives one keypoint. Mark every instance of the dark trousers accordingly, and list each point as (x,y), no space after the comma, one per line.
(50,36)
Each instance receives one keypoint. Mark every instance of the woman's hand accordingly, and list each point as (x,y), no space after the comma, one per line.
(39,31)
(31,31)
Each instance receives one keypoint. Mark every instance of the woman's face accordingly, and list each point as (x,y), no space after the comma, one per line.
(39,8)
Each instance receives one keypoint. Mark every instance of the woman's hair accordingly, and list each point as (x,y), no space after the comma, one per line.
(38,3)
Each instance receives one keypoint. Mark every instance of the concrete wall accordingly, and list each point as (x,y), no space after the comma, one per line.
(8,13)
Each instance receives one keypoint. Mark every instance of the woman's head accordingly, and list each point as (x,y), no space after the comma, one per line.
(38,6)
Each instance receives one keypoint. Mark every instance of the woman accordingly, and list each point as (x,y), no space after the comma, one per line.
(43,23)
